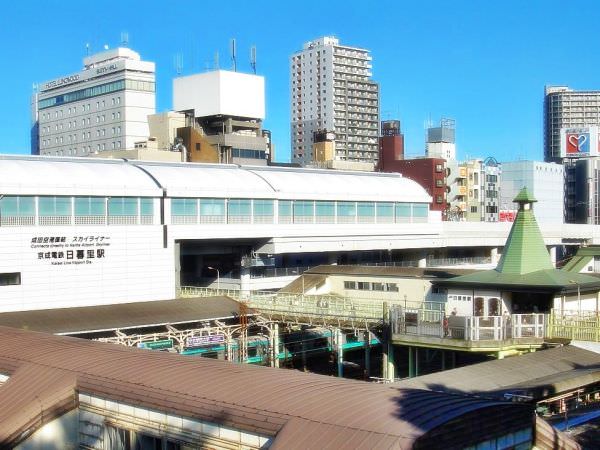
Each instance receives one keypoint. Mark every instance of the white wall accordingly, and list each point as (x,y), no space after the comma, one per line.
(135,267)
(221,92)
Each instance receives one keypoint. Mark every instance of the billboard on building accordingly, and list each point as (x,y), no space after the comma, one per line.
(579,142)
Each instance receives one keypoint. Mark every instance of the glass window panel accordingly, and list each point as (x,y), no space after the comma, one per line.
(402,209)
(239,207)
(325,209)
(54,206)
(420,209)
(263,207)
(285,207)
(146,206)
(366,209)
(304,208)
(212,207)
(184,206)
(123,206)
(385,209)
(90,206)
(346,209)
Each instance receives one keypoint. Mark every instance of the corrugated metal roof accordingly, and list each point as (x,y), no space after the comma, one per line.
(121,316)
(300,410)
(389,271)
(543,373)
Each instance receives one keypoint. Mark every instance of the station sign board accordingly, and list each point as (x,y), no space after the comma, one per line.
(156,345)
(201,341)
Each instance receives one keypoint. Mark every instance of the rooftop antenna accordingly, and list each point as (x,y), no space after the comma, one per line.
(253,58)
(124,38)
(105,46)
(178,63)
(233,55)
(216,60)
(87,49)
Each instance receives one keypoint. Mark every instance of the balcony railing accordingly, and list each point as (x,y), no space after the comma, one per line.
(421,322)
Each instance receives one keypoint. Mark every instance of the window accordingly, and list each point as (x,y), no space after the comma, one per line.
(346,212)
(90,206)
(439,182)
(146,206)
(473,209)
(350,285)
(10,279)
(304,211)
(402,212)
(198,146)
(285,211)
(366,209)
(184,207)
(263,208)
(325,209)
(420,210)
(17,206)
(122,206)
(54,206)
(439,199)
(438,168)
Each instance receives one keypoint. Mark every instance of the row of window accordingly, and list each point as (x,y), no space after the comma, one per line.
(94,91)
(298,211)
(246,153)
(50,210)
(58,210)
(370,286)
(10,279)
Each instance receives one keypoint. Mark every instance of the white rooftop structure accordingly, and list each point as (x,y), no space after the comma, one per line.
(221,92)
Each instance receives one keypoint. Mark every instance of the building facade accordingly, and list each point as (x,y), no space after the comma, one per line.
(543,180)
(225,111)
(430,173)
(441,140)
(332,90)
(391,144)
(566,108)
(104,107)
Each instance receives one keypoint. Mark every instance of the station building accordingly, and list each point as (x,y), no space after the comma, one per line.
(81,232)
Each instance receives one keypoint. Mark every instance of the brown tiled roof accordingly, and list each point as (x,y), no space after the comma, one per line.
(121,316)
(300,410)
(542,374)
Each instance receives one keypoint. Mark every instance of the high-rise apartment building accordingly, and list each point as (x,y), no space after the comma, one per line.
(566,108)
(104,107)
(332,91)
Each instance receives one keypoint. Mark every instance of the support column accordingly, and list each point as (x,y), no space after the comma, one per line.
(411,369)
(494,256)
(391,371)
(275,346)
(416,361)
(443,353)
(245,282)
(367,344)
(339,344)
(177,252)
(422,262)
(553,255)
(303,352)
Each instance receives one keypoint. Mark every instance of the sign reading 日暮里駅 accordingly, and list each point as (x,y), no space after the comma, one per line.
(578,142)
(70,250)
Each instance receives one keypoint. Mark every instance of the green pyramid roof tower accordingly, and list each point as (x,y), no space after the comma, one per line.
(525,251)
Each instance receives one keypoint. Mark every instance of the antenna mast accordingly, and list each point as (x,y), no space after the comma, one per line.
(253,58)
(124,38)
(233,55)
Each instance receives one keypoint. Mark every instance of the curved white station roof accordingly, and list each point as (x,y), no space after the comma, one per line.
(39,175)
(42,175)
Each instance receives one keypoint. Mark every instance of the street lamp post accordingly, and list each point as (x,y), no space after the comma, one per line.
(218,277)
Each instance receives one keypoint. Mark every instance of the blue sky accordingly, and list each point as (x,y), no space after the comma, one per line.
(482,63)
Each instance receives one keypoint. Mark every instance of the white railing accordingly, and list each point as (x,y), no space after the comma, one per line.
(434,323)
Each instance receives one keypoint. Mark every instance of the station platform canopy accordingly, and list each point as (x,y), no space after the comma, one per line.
(102,318)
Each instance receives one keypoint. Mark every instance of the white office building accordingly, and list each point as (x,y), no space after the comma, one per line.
(331,89)
(545,181)
(101,108)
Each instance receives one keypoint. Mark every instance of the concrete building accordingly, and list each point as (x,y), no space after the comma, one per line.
(567,108)
(331,89)
(391,145)
(225,111)
(441,140)
(104,107)
(430,173)
(545,181)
